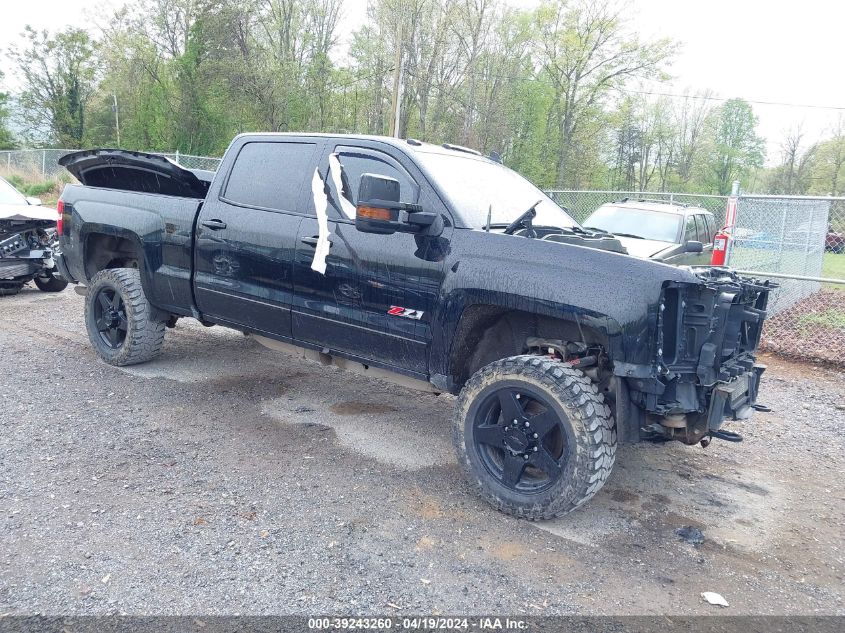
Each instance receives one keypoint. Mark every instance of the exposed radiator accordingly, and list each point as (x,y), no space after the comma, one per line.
(10,271)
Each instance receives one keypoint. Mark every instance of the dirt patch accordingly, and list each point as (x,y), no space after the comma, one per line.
(813,328)
(624,496)
(425,542)
(509,551)
(361,408)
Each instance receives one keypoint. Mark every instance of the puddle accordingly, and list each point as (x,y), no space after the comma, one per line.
(418,438)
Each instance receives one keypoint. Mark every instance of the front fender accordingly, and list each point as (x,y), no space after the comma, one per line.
(454,305)
(613,293)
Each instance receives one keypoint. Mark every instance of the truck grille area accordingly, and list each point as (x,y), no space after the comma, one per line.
(711,329)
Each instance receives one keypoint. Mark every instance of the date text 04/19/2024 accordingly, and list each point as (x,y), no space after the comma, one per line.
(420,623)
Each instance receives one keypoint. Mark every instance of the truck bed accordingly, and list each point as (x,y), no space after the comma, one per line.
(161,225)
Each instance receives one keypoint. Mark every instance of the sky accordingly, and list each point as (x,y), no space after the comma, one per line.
(760,50)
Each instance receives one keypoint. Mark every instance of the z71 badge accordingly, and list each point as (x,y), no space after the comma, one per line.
(408,313)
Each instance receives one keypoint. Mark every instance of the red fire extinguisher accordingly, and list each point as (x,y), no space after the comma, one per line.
(720,247)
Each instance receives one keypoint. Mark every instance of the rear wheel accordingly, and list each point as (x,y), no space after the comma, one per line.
(120,321)
(534,436)
(50,283)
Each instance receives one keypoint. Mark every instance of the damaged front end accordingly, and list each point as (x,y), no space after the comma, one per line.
(707,337)
(26,251)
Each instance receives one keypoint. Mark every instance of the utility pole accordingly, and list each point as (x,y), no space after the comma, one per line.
(398,72)
(116,120)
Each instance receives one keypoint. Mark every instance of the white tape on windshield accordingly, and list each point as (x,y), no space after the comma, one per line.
(321,203)
(346,206)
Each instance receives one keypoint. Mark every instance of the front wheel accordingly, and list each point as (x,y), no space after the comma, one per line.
(534,435)
(50,283)
(121,323)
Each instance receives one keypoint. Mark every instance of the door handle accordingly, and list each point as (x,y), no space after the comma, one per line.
(312,241)
(214,225)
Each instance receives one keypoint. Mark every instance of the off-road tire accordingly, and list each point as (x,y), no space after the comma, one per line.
(573,395)
(50,284)
(8,290)
(144,332)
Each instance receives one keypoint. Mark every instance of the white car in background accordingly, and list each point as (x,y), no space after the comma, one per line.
(27,242)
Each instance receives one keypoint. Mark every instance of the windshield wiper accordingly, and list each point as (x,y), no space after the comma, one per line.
(637,237)
(524,221)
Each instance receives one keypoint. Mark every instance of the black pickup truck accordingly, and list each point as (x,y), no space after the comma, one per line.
(434,266)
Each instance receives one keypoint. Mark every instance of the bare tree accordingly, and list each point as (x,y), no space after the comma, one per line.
(586,49)
(689,122)
(792,176)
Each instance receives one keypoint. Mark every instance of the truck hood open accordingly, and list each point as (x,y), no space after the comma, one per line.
(136,171)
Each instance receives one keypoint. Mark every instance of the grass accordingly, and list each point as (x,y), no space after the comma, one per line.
(834,266)
(828,318)
(48,191)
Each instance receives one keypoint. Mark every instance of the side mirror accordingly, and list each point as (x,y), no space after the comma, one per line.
(35,202)
(693,246)
(380,211)
(378,205)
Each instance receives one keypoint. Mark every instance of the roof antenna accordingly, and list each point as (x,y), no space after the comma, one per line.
(489,215)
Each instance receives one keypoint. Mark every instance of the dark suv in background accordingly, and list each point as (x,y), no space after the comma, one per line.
(651,229)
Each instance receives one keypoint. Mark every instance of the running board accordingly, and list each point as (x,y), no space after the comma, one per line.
(343,363)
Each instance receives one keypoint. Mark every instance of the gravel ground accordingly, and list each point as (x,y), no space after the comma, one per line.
(224,478)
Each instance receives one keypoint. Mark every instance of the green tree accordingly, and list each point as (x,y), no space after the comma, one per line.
(587,50)
(59,76)
(827,164)
(7,139)
(734,145)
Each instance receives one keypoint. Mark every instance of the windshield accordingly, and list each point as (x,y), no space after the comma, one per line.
(10,195)
(649,225)
(473,186)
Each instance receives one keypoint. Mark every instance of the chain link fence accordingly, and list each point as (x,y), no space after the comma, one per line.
(802,238)
(43,164)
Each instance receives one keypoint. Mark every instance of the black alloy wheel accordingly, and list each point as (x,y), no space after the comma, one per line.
(110,317)
(521,439)
(534,436)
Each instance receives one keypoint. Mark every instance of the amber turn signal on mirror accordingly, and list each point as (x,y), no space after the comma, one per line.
(376,213)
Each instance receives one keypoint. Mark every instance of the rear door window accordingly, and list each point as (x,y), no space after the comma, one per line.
(702,229)
(690,229)
(270,175)
(711,228)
